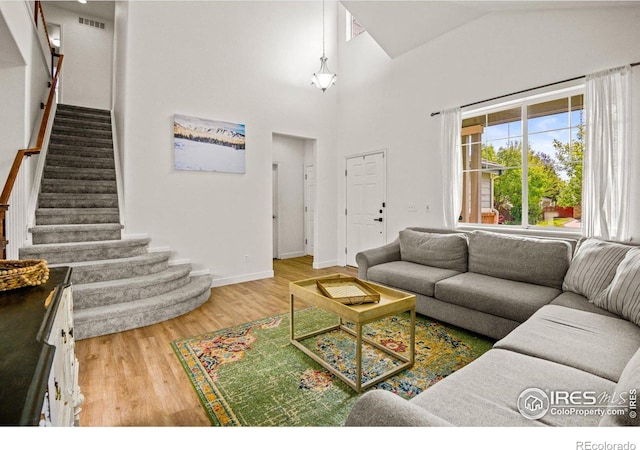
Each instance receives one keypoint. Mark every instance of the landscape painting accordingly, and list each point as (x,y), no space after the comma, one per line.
(208,145)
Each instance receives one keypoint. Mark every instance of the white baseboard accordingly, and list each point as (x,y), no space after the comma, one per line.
(178,262)
(197,273)
(159,249)
(324,264)
(217,282)
(292,255)
(135,236)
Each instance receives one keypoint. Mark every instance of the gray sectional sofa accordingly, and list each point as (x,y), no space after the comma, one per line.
(565,315)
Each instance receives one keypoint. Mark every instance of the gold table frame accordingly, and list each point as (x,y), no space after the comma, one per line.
(392,302)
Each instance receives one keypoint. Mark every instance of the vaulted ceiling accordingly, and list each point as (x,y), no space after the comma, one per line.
(400,26)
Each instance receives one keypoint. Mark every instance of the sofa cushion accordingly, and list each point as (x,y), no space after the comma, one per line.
(590,342)
(593,266)
(485,392)
(504,298)
(518,258)
(445,251)
(575,301)
(380,408)
(409,276)
(622,296)
(629,384)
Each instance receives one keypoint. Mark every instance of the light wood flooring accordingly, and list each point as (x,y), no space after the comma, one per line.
(134,378)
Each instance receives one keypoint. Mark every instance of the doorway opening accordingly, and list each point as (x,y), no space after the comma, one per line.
(294,196)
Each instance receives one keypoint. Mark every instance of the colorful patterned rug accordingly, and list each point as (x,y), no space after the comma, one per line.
(250,375)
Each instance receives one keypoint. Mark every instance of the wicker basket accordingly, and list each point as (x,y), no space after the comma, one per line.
(22,273)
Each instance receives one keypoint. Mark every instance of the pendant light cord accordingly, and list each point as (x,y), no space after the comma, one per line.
(323,28)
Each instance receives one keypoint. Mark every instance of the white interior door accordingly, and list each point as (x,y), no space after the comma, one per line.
(365,204)
(309,207)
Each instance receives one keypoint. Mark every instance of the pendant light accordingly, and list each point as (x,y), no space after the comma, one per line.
(324,79)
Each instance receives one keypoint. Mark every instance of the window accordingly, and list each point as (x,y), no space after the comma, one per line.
(353,27)
(522,162)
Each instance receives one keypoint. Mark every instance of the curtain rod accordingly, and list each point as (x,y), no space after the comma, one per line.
(524,90)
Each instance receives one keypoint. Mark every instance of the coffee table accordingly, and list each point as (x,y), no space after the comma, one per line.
(392,302)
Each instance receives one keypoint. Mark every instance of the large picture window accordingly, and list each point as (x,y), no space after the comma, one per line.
(522,163)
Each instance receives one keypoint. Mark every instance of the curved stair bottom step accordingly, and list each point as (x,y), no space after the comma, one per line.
(113,292)
(105,320)
(117,269)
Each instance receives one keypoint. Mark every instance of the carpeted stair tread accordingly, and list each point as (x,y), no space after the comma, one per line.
(85,251)
(75,200)
(171,273)
(75,227)
(110,269)
(78,150)
(59,129)
(49,186)
(61,216)
(83,141)
(101,293)
(76,161)
(109,319)
(90,114)
(79,173)
(85,123)
(80,109)
(51,234)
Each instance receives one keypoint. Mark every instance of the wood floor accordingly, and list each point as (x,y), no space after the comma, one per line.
(134,378)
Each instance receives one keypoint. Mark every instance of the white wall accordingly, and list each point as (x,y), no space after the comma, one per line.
(88,58)
(17,37)
(289,154)
(246,62)
(386,103)
(23,86)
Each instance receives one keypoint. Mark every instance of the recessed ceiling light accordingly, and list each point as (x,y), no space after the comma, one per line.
(82,1)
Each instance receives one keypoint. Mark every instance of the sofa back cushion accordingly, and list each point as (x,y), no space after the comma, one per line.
(519,258)
(593,267)
(622,297)
(445,251)
(627,387)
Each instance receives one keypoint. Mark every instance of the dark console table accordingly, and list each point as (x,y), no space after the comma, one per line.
(38,368)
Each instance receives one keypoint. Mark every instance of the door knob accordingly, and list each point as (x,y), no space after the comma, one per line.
(378,220)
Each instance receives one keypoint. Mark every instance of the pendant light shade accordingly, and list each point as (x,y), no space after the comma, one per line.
(324,79)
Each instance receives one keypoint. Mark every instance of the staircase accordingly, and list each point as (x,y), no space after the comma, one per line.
(118,284)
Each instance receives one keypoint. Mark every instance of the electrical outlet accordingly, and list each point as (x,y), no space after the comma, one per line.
(428,207)
(412,207)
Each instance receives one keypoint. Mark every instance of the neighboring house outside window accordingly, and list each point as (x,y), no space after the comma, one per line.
(540,187)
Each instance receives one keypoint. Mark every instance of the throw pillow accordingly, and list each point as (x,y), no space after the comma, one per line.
(622,297)
(446,251)
(593,267)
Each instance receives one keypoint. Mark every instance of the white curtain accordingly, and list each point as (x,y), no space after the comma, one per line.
(605,196)
(451,157)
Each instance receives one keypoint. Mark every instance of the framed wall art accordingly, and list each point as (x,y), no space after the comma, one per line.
(208,145)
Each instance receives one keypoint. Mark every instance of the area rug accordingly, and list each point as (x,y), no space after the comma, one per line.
(250,375)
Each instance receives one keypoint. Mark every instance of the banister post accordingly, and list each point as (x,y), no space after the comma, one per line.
(3,236)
